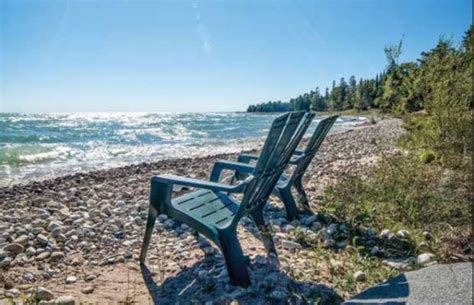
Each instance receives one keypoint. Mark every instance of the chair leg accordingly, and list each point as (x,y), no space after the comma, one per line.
(257,216)
(152,213)
(302,198)
(290,204)
(234,257)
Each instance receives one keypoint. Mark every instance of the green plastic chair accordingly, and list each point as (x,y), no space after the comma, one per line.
(214,212)
(301,159)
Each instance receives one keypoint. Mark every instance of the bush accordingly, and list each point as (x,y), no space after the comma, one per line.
(402,192)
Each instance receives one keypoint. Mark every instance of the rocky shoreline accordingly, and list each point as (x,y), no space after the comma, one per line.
(78,237)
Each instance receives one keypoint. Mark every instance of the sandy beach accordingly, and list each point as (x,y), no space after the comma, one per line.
(79,236)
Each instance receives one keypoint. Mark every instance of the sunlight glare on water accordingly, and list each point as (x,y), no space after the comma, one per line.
(37,146)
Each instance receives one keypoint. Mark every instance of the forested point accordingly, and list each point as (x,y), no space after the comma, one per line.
(400,88)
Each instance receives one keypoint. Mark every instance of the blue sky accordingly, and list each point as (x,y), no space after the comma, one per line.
(59,56)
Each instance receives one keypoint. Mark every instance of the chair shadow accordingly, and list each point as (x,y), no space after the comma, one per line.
(392,292)
(207,280)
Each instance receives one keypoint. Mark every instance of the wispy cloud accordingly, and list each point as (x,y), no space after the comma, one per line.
(202,30)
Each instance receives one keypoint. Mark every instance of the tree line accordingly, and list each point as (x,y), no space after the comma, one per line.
(400,88)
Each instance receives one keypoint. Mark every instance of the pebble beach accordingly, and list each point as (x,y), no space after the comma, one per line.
(76,238)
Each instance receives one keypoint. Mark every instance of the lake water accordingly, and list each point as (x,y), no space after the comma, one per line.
(36,146)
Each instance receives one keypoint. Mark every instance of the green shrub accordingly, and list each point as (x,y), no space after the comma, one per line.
(402,192)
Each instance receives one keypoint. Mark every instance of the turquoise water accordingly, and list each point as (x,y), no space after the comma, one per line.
(36,146)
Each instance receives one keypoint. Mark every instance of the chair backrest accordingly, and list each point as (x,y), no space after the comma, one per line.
(313,145)
(283,138)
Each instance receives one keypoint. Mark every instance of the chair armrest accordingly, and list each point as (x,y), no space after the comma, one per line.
(246,158)
(177,180)
(219,166)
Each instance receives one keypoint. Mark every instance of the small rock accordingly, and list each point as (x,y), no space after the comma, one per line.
(12,293)
(288,244)
(30,251)
(43,294)
(288,228)
(43,255)
(14,248)
(360,276)
(6,262)
(43,240)
(399,264)
(385,233)
(425,258)
(375,251)
(29,276)
(120,204)
(88,290)
(65,300)
(57,255)
(71,279)
(22,240)
(316,226)
(331,229)
(53,225)
(329,242)
(403,234)
(308,221)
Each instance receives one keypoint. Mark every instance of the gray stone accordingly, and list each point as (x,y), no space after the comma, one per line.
(375,251)
(316,226)
(308,221)
(6,262)
(360,276)
(88,290)
(288,244)
(23,240)
(30,251)
(43,255)
(288,228)
(65,300)
(71,279)
(53,225)
(28,276)
(44,294)
(12,293)
(331,229)
(329,242)
(14,248)
(385,233)
(120,204)
(57,255)
(403,234)
(43,240)
(400,264)
(425,258)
